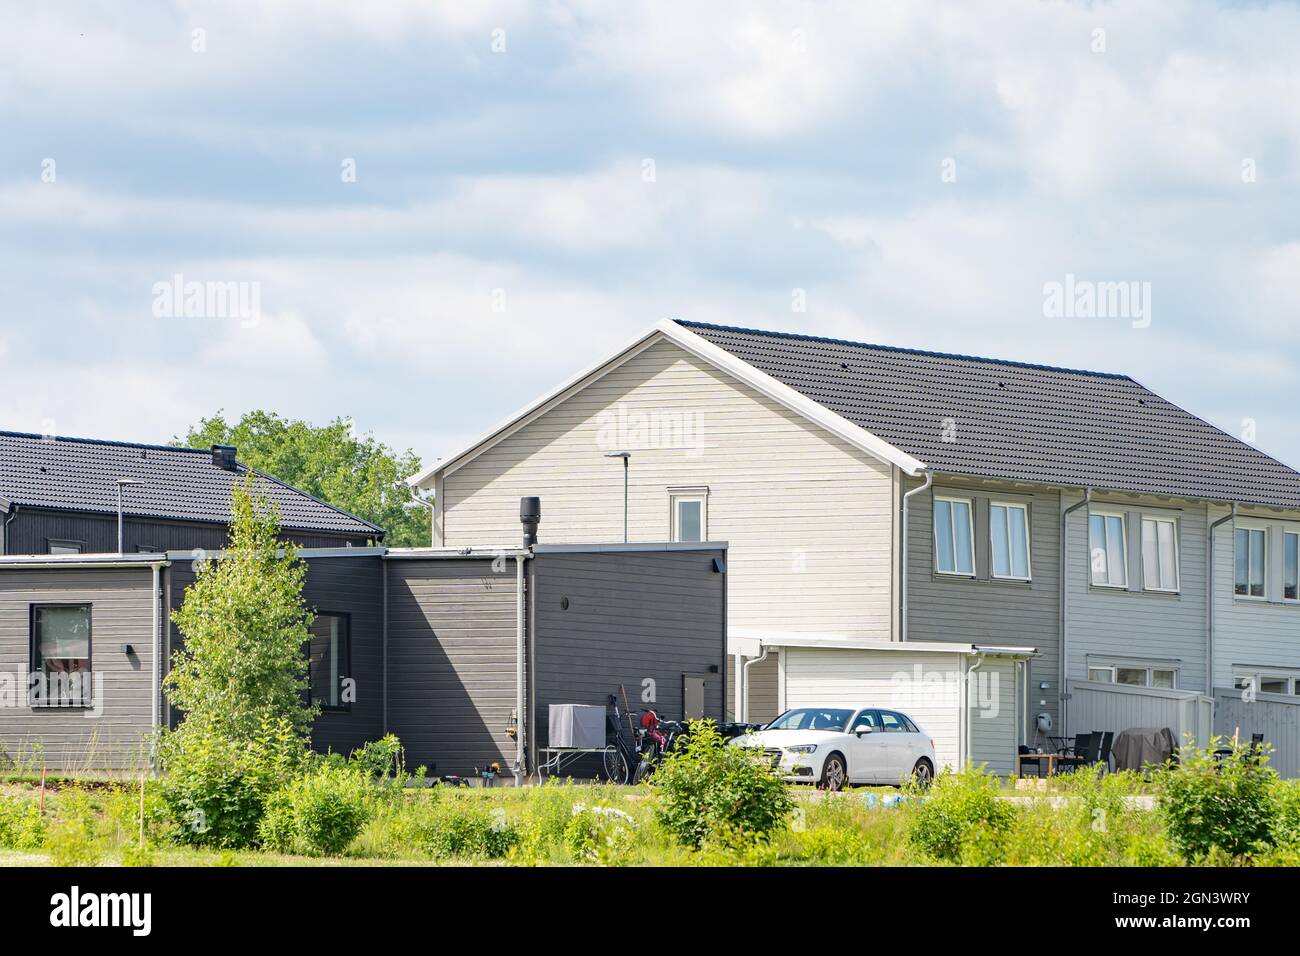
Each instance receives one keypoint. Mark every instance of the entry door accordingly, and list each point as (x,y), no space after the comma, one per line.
(692,697)
(868,753)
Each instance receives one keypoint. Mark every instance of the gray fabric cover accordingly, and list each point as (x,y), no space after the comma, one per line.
(577,725)
(1138,746)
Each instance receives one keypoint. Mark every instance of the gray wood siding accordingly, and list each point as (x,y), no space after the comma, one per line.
(632,617)
(764,688)
(1134,624)
(451,662)
(32,529)
(342,585)
(808,519)
(982,609)
(1252,633)
(121,613)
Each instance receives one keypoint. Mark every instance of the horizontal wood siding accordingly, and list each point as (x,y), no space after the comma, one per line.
(984,610)
(808,518)
(1134,624)
(922,685)
(121,613)
(635,621)
(451,654)
(32,530)
(1251,633)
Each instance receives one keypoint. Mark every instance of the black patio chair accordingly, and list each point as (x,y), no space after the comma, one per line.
(1103,749)
(1027,756)
(1083,752)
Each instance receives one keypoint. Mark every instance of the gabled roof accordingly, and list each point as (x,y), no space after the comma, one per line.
(80,474)
(1015,420)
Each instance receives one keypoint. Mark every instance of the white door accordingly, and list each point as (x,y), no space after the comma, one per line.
(868,754)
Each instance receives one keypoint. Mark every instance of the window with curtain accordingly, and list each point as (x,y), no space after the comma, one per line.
(1107,550)
(328,654)
(1250,562)
(61,654)
(1159,554)
(1009,541)
(954,545)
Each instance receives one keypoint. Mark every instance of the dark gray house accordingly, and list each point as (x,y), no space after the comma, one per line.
(459,651)
(60,496)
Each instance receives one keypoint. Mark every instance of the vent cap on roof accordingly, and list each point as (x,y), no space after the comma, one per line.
(223,456)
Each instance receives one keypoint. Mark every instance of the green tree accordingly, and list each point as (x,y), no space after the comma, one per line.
(243,666)
(356,473)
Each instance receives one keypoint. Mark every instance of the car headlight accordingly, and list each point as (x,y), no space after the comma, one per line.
(802,749)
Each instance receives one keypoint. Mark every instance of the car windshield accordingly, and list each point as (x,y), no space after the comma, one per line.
(812,718)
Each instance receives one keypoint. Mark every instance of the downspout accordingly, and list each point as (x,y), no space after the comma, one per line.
(744,717)
(383,647)
(4,538)
(929,480)
(156,669)
(1065,598)
(965,709)
(521,758)
(1209,603)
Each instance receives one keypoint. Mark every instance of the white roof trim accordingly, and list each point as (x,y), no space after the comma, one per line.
(700,347)
(747,640)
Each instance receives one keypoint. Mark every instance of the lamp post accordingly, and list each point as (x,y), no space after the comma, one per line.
(120,483)
(627,457)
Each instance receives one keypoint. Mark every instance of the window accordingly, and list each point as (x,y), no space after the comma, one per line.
(328,660)
(1009,533)
(688,519)
(64,547)
(1133,674)
(1159,554)
(60,655)
(1108,550)
(865,721)
(1267,682)
(1291,567)
(954,545)
(891,723)
(1250,562)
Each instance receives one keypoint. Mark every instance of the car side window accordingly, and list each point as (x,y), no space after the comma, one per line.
(891,723)
(865,720)
(911,727)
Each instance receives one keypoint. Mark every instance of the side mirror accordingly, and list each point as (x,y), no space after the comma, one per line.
(863,730)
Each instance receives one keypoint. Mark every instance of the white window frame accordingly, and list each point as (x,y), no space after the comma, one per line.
(952,530)
(1257,674)
(676,499)
(1260,528)
(1178,558)
(1115,664)
(1123,543)
(1284,599)
(1029,558)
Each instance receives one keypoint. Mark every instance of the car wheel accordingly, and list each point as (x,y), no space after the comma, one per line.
(835,773)
(923,774)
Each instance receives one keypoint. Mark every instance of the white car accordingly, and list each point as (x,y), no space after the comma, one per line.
(836,746)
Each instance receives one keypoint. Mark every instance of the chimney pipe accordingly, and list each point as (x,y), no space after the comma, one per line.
(223,456)
(530,516)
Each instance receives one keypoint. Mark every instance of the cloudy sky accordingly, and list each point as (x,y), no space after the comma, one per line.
(446,208)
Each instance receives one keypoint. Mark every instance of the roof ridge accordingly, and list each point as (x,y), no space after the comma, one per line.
(805,337)
(105,441)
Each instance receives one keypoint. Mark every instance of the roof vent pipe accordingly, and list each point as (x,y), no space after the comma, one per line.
(223,456)
(530,516)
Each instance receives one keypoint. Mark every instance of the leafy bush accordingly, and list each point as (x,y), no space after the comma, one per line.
(962,810)
(1286,829)
(216,789)
(317,814)
(431,824)
(708,791)
(21,826)
(381,758)
(71,839)
(1224,804)
(600,834)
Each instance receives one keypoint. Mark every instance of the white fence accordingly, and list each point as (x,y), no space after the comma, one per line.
(1116,707)
(1274,716)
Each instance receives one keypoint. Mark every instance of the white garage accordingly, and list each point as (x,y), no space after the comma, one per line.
(968,697)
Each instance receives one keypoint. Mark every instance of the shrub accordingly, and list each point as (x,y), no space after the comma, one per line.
(216,789)
(380,758)
(317,814)
(71,839)
(430,824)
(21,825)
(708,791)
(960,809)
(599,834)
(1223,804)
(1286,829)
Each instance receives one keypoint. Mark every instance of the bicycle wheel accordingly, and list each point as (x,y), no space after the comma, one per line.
(615,765)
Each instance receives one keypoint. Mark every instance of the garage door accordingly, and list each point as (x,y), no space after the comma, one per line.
(924,685)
